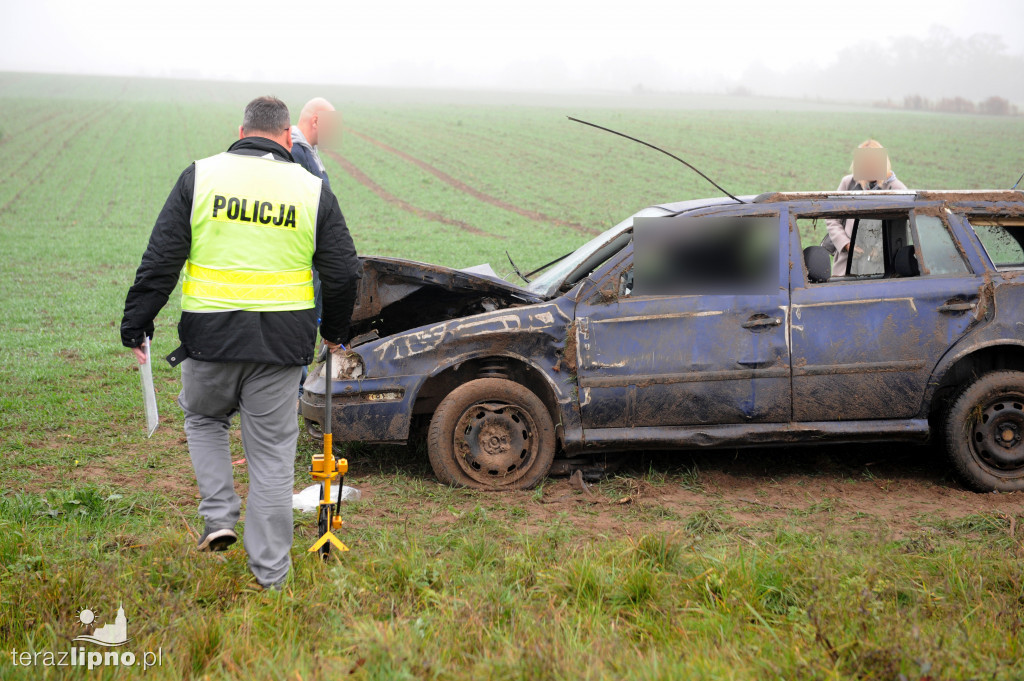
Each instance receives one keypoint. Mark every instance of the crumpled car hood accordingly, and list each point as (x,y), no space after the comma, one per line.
(395,295)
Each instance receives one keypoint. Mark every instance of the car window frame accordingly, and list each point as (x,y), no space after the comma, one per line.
(887,213)
(967,219)
(613,269)
(919,250)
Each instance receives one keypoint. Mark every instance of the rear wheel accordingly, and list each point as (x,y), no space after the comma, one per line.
(985,432)
(491,434)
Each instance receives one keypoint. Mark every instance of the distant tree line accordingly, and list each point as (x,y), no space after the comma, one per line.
(992,106)
(934,66)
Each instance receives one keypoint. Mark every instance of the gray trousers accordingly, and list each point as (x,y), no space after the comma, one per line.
(264,394)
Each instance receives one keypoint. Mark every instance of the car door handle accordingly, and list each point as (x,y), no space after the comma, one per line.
(755,363)
(760,321)
(957,306)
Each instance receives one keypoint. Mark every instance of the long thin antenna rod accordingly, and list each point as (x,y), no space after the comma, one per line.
(647,144)
(521,275)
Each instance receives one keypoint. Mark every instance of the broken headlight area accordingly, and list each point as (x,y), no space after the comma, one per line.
(346,365)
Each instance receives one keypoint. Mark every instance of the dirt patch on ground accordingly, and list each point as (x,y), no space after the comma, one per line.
(176,484)
(892,490)
(161,466)
(363,179)
(898,492)
(475,193)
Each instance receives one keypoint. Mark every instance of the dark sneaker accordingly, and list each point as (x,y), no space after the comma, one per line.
(217,540)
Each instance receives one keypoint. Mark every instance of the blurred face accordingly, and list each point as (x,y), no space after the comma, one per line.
(870,164)
(327,126)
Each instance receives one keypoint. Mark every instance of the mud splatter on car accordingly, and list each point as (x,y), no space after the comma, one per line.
(920,338)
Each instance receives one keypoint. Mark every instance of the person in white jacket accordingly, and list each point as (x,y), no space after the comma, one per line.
(841,231)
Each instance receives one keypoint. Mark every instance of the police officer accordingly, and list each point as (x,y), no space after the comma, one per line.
(246,225)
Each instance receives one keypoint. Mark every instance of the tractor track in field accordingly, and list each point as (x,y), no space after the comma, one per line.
(475,193)
(28,128)
(101,162)
(54,158)
(28,159)
(363,179)
(13,173)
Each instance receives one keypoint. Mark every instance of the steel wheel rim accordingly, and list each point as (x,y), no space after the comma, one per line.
(495,443)
(996,435)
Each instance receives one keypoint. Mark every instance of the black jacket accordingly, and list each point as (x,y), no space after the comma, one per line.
(284,338)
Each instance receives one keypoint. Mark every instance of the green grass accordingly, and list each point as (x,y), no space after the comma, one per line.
(444,583)
(474,596)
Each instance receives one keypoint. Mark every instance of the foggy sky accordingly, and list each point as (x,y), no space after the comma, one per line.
(789,47)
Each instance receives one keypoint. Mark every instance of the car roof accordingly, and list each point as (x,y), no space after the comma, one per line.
(908,196)
(683,206)
(947,195)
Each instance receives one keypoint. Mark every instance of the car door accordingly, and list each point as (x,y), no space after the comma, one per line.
(714,352)
(864,347)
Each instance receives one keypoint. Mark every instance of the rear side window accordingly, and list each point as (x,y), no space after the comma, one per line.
(937,248)
(1002,241)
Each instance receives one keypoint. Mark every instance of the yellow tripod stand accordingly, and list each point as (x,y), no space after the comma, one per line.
(326,468)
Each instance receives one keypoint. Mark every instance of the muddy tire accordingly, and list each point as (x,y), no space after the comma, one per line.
(491,434)
(984,432)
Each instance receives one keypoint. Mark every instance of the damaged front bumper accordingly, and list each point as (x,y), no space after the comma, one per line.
(371,410)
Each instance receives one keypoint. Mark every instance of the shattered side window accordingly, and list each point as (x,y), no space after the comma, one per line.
(1002,241)
(585,259)
(813,231)
(937,248)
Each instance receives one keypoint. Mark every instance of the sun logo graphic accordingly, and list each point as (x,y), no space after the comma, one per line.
(114,634)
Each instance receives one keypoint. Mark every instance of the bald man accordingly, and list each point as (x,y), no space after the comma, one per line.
(316,124)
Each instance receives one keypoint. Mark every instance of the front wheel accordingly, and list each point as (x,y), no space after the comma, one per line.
(491,434)
(984,432)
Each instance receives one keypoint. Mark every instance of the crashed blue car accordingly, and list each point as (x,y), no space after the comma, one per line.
(710,323)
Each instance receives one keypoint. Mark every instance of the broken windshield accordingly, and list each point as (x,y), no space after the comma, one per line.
(589,256)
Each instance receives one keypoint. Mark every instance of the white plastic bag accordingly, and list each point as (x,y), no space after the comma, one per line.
(309,498)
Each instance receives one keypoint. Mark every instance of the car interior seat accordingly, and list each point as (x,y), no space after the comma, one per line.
(905,262)
(818,264)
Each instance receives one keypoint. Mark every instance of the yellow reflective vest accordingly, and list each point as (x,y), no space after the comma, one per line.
(253,235)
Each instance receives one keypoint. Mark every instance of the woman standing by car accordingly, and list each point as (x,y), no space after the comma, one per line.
(841,231)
